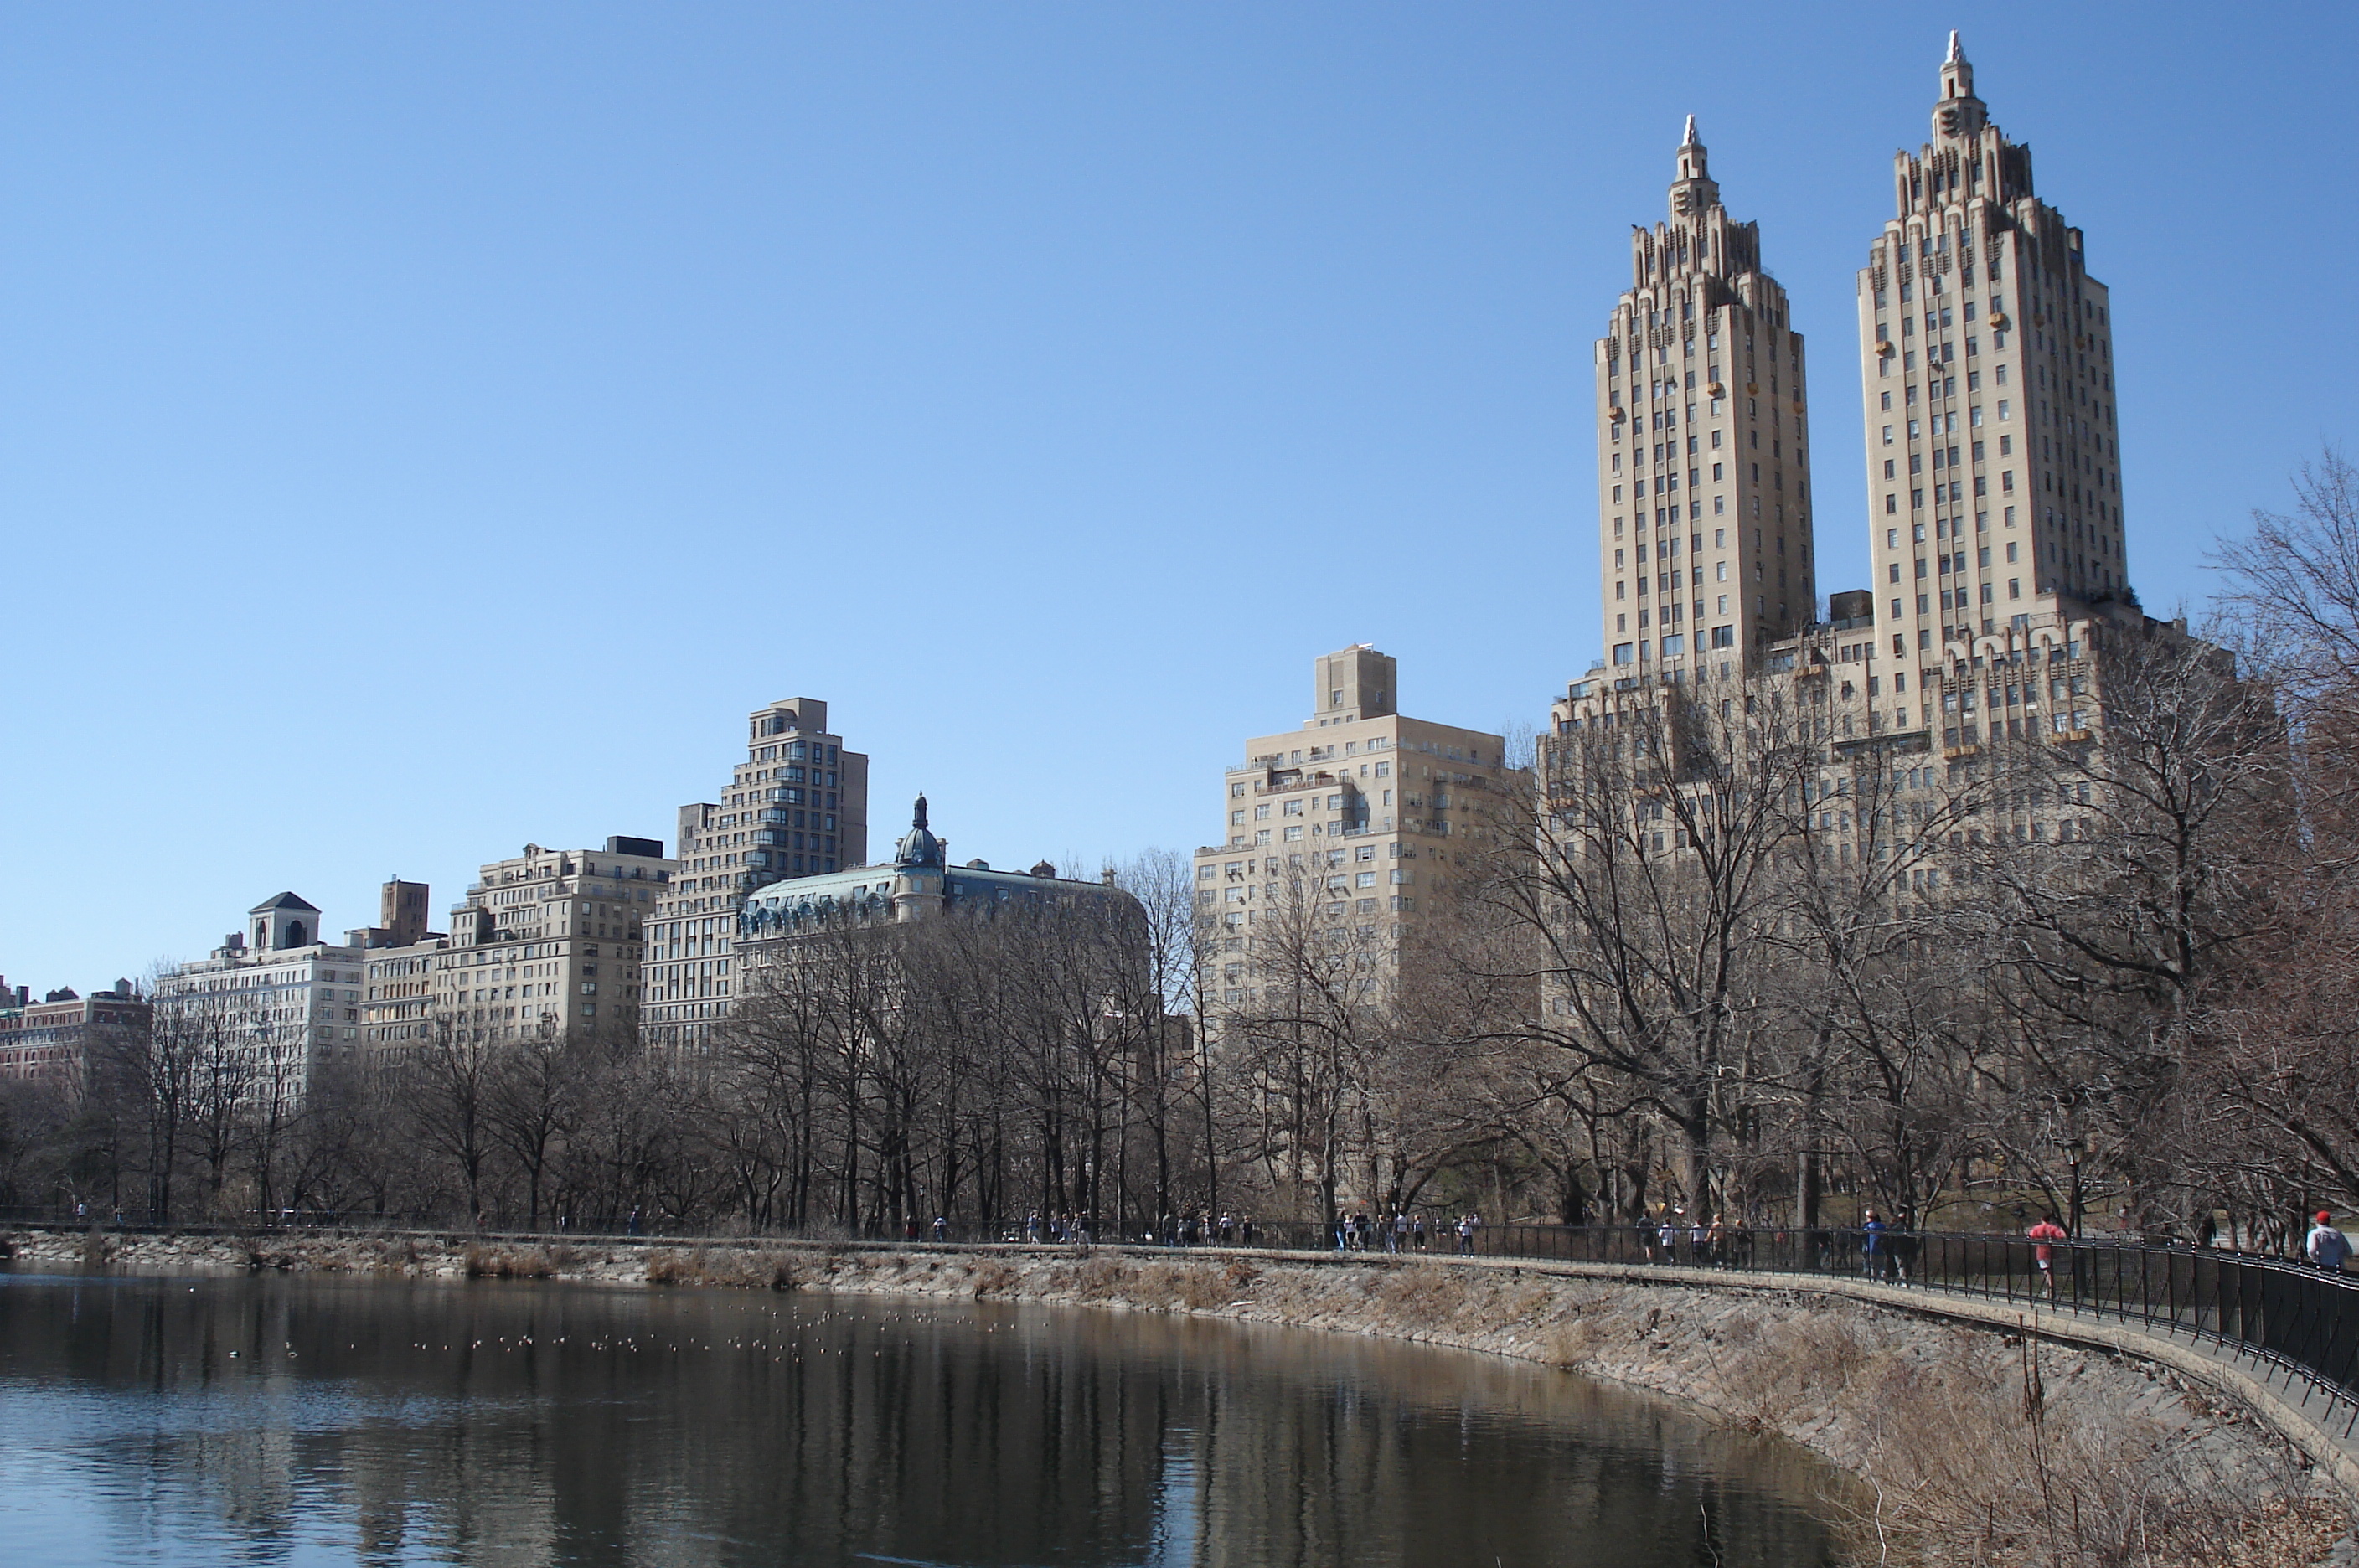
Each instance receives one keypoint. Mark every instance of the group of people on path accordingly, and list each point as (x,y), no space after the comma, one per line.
(1204,1229)
(1888,1252)
(1403,1232)
(1695,1240)
(1073,1230)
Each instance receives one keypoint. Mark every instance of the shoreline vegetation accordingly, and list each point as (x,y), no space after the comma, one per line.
(1971,1445)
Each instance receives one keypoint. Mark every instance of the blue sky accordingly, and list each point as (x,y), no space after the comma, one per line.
(428,428)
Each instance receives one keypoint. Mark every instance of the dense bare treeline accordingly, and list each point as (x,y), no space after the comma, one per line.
(873,1078)
(1708,962)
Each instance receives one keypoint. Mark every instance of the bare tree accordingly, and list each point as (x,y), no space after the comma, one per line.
(1661,830)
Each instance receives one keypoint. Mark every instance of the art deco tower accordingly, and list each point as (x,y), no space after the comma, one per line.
(1986,352)
(1703,446)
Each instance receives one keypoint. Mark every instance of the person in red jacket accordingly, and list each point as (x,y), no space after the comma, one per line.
(2045,1233)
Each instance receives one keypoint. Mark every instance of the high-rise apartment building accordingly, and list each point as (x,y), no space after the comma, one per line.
(548,942)
(1702,445)
(1349,821)
(278,1009)
(1987,356)
(797,806)
(1966,681)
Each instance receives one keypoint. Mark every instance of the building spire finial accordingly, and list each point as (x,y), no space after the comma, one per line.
(1959,114)
(1692,192)
(1690,139)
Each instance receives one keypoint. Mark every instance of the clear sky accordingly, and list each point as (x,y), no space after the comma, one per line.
(427,428)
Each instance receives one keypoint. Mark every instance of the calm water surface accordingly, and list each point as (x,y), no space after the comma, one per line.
(310,1420)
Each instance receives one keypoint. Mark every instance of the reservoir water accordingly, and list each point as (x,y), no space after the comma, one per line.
(311,1419)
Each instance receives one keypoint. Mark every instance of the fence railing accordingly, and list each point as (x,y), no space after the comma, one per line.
(2301,1320)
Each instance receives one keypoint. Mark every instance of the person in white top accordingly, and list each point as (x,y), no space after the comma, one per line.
(2327,1246)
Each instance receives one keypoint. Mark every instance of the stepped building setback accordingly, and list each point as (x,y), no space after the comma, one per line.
(546,943)
(797,806)
(1702,445)
(1986,360)
(1994,504)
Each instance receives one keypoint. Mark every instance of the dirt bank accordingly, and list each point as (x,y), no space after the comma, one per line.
(1975,1446)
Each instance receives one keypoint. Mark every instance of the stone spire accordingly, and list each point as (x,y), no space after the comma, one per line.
(1959,114)
(1694,193)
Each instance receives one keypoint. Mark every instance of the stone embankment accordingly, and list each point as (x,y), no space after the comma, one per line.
(1977,1441)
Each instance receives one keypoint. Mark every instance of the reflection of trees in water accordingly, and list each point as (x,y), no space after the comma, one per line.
(494,1424)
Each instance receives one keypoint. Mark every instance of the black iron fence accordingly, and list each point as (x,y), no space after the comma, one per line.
(2300,1319)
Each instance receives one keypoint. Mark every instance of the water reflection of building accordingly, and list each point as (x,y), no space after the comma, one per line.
(508,1424)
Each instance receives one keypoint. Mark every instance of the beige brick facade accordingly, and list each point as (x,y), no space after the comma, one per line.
(1351,819)
(796,806)
(1703,446)
(546,943)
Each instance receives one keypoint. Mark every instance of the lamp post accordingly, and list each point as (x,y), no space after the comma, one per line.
(2073,1147)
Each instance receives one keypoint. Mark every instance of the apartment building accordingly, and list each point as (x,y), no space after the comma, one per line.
(1351,822)
(274,1001)
(546,944)
(1996,526)
(1986,359)
(919,883)
(401,917)
(1703,446)
(60,1036)
(796,806)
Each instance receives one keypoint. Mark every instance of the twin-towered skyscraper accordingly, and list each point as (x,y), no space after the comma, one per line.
(1994,463)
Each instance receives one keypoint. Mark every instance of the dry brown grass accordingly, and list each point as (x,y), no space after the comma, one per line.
(1199,1287)
(1974,1455)
(744,1271)
(505,1263)
(1100,1279)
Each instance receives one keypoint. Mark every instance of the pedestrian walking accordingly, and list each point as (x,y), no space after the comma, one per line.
(1417,1229)
(1903,1244)
(1872,1255)
(2327,1246)
(2043,1253)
